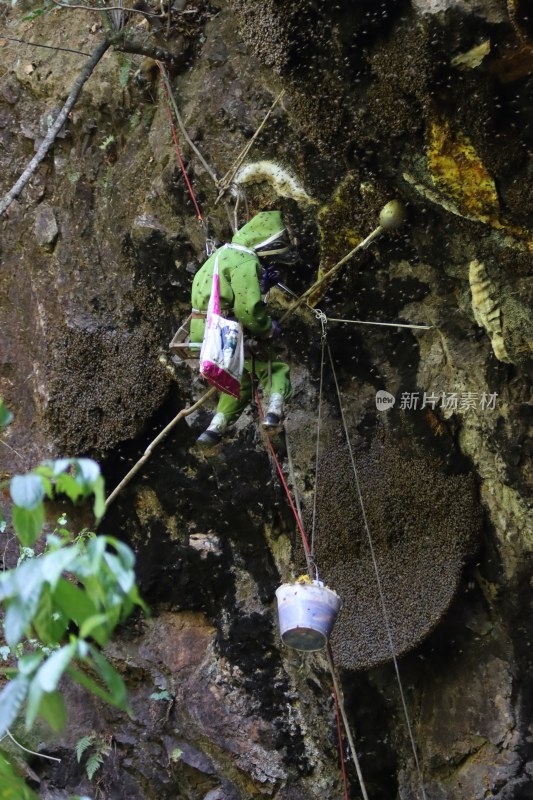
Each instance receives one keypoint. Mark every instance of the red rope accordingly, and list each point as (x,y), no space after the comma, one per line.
(308,551)
(339,732)
(174,136)
(282,478)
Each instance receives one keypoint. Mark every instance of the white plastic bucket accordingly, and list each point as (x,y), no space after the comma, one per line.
(307,614)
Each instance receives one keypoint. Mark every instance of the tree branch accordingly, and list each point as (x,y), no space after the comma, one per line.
(126,45)
(49,139)
(107,8)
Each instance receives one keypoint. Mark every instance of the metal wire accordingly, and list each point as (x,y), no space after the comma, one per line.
(378,580)
(321,317)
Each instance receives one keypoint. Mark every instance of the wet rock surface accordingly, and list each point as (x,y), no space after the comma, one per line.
(424,101)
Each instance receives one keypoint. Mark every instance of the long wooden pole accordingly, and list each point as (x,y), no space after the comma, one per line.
(330,274)
(148,452)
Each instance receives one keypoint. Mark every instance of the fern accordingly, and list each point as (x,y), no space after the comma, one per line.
(93,764)
(124,74)
(82,745)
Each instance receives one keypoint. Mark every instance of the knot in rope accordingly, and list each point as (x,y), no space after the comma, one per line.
(321,317)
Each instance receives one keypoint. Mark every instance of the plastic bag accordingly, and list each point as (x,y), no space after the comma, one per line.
(222,353)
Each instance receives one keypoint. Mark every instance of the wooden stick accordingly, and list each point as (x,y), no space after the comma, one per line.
(332,272)
(224,184)
(148,452)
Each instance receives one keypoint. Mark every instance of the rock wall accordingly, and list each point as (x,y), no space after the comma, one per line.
(427,102)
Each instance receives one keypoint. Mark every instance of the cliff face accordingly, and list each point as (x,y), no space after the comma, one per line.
(425,101)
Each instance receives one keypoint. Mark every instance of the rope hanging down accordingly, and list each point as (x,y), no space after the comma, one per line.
(176,145)
(339,705)
(378,579)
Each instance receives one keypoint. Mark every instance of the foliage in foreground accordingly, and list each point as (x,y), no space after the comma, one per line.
(60,607)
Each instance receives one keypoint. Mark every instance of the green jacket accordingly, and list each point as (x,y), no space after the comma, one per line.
(239,272)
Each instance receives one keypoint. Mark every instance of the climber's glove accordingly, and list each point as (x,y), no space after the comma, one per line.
(268,279)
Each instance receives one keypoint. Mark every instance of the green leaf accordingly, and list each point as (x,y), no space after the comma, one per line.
(19,616)
(27,491)
(54,564)
(35,696)
(52,709)
(93,623)
(68,485)
(176,754)
(53,668)
(124,577)
(29,663)
(56,466)
(125,553)
(27,578)
(95,552)
(163,695)
(99,497)
(78,606)
(12,697)
(87,471)
(7,585)
(33,15)
(49,624)
(123,75)
(88,683)
(6,416)
(12,787)
(28,523)
(114,682)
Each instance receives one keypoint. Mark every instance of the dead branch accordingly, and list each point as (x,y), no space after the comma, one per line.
(49,139)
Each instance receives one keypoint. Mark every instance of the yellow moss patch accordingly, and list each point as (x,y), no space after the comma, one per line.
(339,224)
(459,173)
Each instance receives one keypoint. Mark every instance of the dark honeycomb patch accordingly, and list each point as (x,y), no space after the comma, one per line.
(424,525)
(104,384)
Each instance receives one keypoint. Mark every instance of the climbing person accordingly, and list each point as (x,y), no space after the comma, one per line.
(247,270)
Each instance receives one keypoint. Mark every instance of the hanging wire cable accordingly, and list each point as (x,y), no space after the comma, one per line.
(322,319)
(378,579)
(385,324)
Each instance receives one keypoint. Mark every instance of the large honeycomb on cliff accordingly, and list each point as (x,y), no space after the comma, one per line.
(424,525)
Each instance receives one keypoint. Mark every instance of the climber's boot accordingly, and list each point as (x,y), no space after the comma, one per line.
(213,434)
(274,415)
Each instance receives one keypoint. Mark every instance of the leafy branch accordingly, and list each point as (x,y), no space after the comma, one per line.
(61,607)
